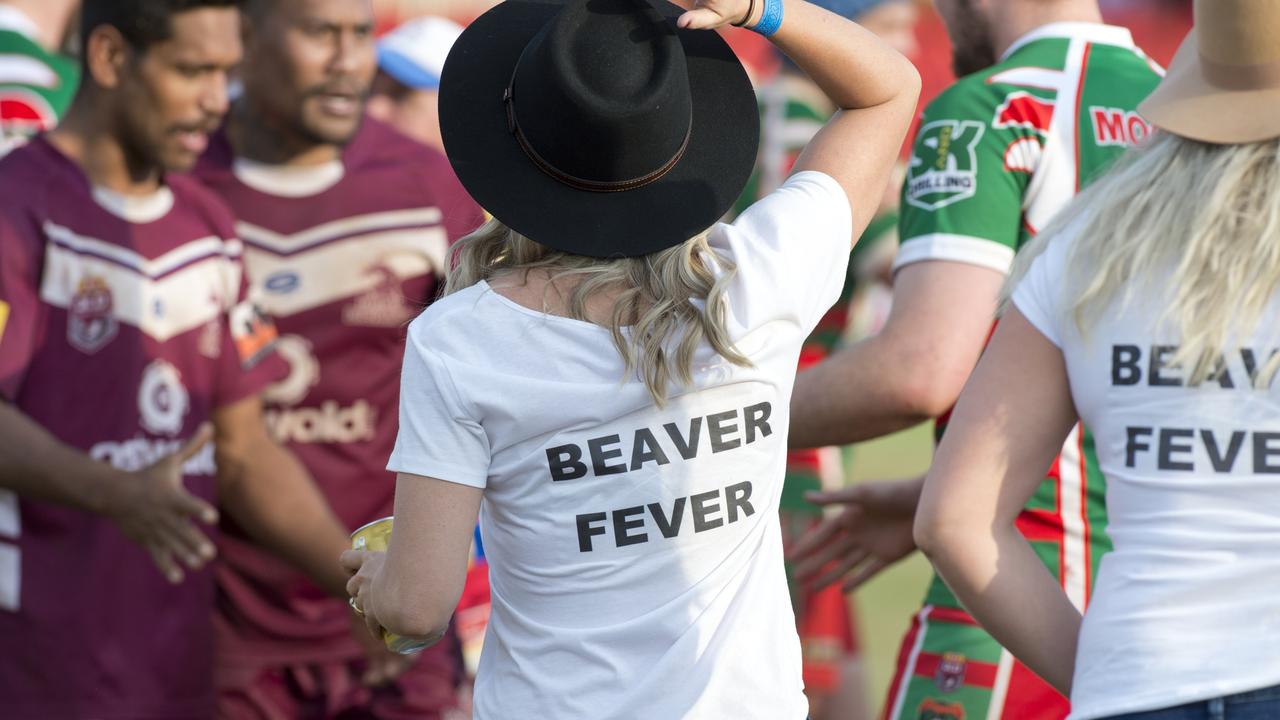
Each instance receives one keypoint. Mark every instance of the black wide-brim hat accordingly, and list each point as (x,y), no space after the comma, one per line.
(596,127)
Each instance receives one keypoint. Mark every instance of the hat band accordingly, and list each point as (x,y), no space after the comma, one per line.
(1259,76)
(578,183)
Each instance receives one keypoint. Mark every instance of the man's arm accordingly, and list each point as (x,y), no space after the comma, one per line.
(269,494)
(913,370)
(150,506)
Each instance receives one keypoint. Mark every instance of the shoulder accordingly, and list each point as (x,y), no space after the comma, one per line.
(194,198)
(379,144)
(451,316)
(26,175)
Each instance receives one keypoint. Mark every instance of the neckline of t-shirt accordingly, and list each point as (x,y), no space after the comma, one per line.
(137,209)
(287,180)
(487,289)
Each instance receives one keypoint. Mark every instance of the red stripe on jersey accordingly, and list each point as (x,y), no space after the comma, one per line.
(1040,526)
(976,674)
(955,616)
(1084,74)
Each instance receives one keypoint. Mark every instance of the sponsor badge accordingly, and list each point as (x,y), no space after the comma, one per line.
(944,165)
(91,323)
(950,673)
(253,333)
(932,709)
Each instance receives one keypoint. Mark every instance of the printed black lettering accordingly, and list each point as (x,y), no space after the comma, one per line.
(1158,362)
(599,455)
(1251,364)
(688,449)
(701,509)
(738,497)
(1220,462)
(669,527)
(646,449)
(621,525)
(563,462)
(1124,365)
(1221,374)
(717,429)
(1164,458)
(1265,454)
(1131,445)
(587,529)
(757,418)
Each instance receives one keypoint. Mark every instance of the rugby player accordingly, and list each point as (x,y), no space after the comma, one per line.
(127,342)
(346,225)
(36,82)
(1046,99)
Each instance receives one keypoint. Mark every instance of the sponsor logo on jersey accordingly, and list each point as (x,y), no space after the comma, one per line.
(282,283)
(383,305)
(944,166)
(950,673)
(1114,126)
(1021,109)
(329,423)
(91,323)
(141,452)
(253,332)
(163,401)
(932,709)
(304,371)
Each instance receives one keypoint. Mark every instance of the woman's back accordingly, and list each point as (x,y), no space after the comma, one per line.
(635,556)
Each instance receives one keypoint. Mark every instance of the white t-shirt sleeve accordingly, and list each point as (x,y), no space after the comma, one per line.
(438,436)
(1039,295)
(792,250)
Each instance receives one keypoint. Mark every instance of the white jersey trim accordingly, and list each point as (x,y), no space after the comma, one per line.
(1084,31)
(288,180)
(156,267)
(955,248)
(24,70)
(137,209)
(285,244)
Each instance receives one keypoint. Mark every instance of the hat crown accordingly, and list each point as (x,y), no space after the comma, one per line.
(601,94)
(1238,32)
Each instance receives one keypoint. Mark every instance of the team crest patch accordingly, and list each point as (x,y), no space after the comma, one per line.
(950,673)
(163,401)
(91,323)
(932,709)
(944,166)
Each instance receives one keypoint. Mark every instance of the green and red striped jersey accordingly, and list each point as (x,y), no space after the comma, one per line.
(997,155)
(36,86)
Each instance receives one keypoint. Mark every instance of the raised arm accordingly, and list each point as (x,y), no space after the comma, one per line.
(874,87)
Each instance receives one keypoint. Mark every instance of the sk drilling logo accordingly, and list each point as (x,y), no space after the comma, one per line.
(944,166)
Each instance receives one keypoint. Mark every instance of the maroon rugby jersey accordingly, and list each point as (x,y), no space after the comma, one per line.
(342,256)
(119,323)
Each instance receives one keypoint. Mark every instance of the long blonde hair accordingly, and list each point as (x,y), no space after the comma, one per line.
(669,301)
(1209,213)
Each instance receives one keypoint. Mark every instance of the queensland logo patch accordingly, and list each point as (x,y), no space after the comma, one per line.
(91,323)
(950,673)
(932,709)
(944,166)
(163,401)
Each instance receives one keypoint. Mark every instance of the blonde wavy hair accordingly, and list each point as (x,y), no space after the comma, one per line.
(1209,213)
(669,302)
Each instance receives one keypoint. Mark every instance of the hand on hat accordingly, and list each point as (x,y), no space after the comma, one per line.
(710,14)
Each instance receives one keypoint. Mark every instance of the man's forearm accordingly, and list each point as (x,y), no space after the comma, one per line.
(854,396)
(38,466)
(271,496)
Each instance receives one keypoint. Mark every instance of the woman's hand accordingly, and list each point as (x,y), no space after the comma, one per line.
(364,567)
(710,14)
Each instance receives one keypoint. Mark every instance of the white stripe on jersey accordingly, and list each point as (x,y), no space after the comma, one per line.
(1032,77)
(1071,507)
(187,252)
(908,672)
(10,522)
(284,244)
(26,70)
(10,578)
(1000,690)
(350,266)
(162,308)
(1054,182)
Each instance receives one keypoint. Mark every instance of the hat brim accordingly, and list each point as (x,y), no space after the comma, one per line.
(487,158)
(406,71)
(1186,103)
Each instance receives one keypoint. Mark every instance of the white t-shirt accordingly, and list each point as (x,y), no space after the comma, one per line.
(635,555)
(1187,606)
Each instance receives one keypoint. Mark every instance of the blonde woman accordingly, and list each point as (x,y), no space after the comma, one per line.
(1153,311)
(606,382)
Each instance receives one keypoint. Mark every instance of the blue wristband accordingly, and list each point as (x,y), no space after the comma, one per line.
(771,20)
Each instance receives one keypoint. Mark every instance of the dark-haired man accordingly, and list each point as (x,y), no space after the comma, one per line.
(346,225)
(125,334)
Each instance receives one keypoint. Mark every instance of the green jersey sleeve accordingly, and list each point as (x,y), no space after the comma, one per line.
(961,200)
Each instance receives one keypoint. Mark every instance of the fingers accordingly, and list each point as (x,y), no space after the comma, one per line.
(353,560)
(700,19)
(869,570)
(353,589)
(184,540)
(815,562)
(165,564)
(195,507)
(847,562)
(814,539)
(195,443)
(850,494)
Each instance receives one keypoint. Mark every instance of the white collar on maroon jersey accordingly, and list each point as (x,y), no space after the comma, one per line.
(137,209)
(288,180)
(11,18)
(1090,32)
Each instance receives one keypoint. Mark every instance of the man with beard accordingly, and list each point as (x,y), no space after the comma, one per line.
(1046,100)
(125,333)
(346,225)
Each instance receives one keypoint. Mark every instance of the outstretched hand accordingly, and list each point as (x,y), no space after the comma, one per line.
(871,532)
(711,14)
